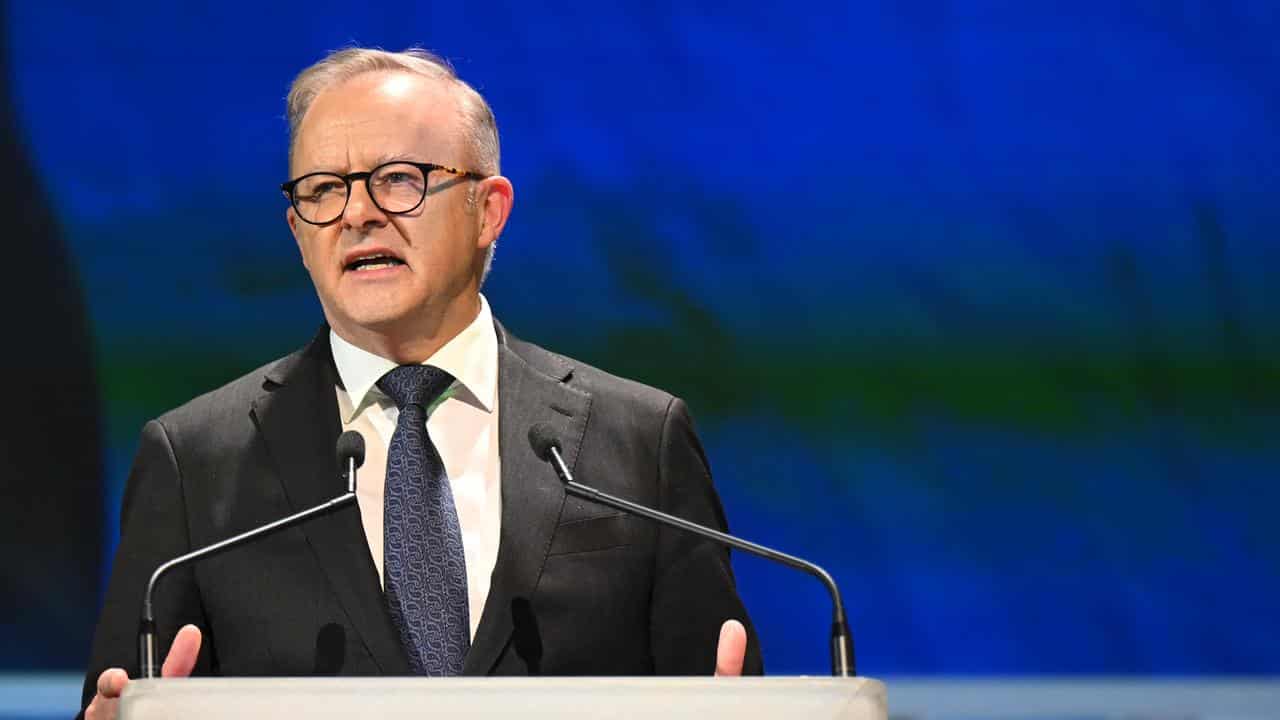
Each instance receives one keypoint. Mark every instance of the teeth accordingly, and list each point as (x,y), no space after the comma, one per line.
(373,262)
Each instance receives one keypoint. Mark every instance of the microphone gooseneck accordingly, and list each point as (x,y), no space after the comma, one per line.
(545,444)
(350,452)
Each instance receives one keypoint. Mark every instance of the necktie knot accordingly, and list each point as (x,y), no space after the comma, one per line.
(416,385)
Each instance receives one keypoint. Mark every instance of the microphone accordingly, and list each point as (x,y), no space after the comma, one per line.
(546,445)
(350,449)
(350,456)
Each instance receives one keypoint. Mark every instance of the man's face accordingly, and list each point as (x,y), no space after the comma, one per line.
(434,252)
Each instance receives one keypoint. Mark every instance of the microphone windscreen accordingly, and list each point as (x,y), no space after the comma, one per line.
(350,447)
(543,437)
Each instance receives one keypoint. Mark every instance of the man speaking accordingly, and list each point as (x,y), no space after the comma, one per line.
(465,556)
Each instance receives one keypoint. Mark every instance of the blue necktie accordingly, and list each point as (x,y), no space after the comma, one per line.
(424,568)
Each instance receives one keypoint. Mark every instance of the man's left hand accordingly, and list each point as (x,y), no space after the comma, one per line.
(731,649)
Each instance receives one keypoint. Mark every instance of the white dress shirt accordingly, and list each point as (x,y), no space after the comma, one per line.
(462,424)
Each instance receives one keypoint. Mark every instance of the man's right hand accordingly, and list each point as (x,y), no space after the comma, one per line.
(179,663)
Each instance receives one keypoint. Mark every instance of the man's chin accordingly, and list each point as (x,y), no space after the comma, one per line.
(374,318)
(390,316)
(381,322)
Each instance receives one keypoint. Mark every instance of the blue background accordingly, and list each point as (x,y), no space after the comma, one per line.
(974,303)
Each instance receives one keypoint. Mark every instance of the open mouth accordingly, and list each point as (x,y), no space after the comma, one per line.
(373,262)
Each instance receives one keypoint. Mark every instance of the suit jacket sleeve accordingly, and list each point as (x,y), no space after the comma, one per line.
(693,589)
(153,529)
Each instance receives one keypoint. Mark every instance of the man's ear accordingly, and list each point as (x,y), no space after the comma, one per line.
(291,217)
(493,208)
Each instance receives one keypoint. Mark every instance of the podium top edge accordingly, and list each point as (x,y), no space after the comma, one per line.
(855,685)
(809,680)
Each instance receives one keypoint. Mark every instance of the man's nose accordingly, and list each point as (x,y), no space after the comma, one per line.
(361,211)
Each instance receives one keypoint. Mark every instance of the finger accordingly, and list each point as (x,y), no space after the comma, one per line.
(102,708)
(111,682)
(732,649)
(181,659)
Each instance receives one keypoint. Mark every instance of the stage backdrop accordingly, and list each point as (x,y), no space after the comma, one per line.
(974,304)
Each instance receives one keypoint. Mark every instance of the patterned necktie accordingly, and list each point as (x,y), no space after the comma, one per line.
(424,568)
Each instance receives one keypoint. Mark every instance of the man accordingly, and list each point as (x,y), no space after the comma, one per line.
(465,555)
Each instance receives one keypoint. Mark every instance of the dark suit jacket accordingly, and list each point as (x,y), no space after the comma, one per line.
(578,589)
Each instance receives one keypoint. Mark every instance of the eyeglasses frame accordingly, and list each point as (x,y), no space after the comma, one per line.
(350,178)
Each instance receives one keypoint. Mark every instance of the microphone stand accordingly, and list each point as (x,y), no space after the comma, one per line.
(147,626)
(842,663)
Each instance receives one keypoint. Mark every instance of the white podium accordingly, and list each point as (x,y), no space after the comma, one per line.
(789,698)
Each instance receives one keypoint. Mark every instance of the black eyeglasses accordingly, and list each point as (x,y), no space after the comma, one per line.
(396,188)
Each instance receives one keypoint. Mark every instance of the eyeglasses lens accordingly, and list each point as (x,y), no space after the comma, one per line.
(395,187)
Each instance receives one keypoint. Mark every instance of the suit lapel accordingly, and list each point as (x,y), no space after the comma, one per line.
(532,495)
(298,417)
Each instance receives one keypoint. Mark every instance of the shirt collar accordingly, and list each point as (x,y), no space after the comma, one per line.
(471,357)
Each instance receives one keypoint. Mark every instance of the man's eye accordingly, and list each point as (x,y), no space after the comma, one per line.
(398,178)
(321,190)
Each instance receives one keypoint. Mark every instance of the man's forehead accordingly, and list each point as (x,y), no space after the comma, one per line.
(379,116)
(370,140)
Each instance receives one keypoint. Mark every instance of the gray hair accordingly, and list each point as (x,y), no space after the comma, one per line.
(341,65)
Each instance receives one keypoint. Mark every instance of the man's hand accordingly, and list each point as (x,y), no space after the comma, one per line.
(729,652)
(179,663)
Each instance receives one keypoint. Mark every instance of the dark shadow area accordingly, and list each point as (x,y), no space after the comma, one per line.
(525,635)
(331,650)
(50,451)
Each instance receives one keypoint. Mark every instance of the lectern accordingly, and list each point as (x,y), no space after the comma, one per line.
(786,698)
